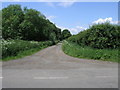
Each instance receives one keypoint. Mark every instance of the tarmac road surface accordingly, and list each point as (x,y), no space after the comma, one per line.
(51,68)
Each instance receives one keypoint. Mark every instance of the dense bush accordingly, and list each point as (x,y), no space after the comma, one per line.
(99,36)
(66,33)
(13,47)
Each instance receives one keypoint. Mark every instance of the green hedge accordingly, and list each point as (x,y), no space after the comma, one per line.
(99,36)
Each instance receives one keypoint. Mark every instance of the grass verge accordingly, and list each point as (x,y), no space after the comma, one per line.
(75,50)
(14,49)
(23,54)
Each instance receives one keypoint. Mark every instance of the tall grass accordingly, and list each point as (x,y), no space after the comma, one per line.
(75,50)
(13,48)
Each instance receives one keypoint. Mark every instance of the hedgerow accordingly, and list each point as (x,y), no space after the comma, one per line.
(99,36)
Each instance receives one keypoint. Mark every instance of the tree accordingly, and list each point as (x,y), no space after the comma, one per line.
(27,24)
(65,34)
(52,37)
(12,16)
(0,24)
(32,25)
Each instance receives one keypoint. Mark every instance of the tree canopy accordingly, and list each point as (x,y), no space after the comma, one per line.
(66,33)
(28,24)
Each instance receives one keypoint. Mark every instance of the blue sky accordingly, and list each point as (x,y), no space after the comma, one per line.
(75,16)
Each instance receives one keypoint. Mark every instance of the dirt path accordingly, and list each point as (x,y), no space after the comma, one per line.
(52,68)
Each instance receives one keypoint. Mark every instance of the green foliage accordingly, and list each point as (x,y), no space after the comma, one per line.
(0,20)
(27,24)
(12,16)
(22,54)
(14,47)
(76,50)
(65,34)
(99,36)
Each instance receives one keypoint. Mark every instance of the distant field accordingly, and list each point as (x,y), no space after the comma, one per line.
(75,50)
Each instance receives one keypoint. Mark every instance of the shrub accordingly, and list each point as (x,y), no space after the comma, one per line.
(99,36)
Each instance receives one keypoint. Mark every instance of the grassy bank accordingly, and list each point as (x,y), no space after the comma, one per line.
(75,50)
(14,49)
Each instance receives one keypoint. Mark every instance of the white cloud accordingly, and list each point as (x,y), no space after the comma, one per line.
(74,30)
(50,4)
(16,0)
(51,17)
(60,0)
(10,0)
(81,28)
(62,28)
(109,19)
(66,4)
(77,29)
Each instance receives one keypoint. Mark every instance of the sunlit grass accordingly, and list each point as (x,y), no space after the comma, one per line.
(75,50)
